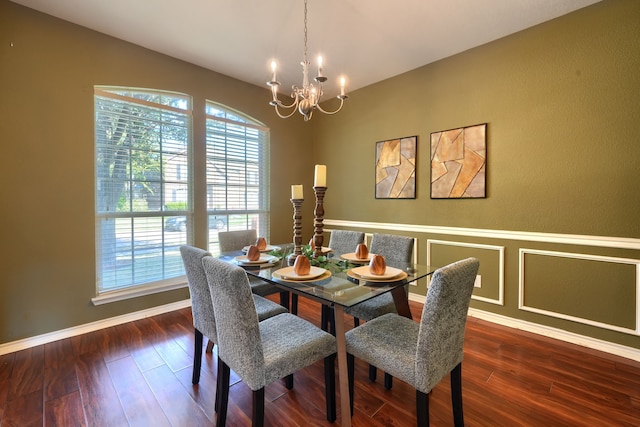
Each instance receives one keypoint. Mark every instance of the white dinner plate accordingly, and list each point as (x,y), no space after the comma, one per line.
(365,273)
(243,260)
(288,273)
(269,248)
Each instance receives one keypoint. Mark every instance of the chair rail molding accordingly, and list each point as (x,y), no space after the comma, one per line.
(530,236)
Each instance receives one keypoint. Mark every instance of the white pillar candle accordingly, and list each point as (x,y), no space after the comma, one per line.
(296,192)
(320,179)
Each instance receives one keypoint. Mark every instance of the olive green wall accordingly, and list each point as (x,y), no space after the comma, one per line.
(561,105)
(48,68)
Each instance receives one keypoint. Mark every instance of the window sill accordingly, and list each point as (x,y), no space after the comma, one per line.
(140,291)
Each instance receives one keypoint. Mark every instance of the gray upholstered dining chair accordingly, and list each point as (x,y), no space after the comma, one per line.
(261,352)
(236,240)
(397,251)
(421,354)
(340,242)
(202,308)
(344,241)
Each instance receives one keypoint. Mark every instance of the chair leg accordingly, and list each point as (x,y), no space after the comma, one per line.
(456,395)
(422,409)
(216,405)
(216,402)
(284,299)
(330,386)
(324,318)
(388,381)
(223,379)
(294,303)
(373,373)
(210,345)
(258,408)
(327,320)
(288,381)
(350,375)
(197,356)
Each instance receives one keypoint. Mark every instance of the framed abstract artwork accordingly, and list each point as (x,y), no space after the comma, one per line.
(396,168)
(459,163)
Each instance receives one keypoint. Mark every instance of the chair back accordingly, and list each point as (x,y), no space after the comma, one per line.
(239,342)
(396,250)
(236,240)
(444,316)
(201,305)
(345,241)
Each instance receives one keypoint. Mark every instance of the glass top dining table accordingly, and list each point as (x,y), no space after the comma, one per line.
(339,286)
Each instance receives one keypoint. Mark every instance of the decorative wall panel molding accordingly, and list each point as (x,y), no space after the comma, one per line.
(579,292)
(499,300)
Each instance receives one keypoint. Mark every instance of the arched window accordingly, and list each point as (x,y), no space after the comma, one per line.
(237,170)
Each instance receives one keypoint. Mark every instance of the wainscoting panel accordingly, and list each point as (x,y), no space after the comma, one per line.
(580,288)
(490,283)
(604,291)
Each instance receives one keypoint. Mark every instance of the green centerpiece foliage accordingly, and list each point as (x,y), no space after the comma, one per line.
(331,264)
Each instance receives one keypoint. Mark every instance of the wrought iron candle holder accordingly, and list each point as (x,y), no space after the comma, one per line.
(318,226)
(297,230)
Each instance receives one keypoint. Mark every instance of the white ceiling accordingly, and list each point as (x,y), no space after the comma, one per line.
(366,40)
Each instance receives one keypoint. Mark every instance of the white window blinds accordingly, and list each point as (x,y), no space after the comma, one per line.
(143,207)
(237,170)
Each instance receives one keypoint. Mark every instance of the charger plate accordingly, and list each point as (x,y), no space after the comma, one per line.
(391,274)
(269,248)
(288,274)
(351,256)
(243,260)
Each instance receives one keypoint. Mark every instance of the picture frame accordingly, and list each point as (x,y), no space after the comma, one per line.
(395,168)
(459,163)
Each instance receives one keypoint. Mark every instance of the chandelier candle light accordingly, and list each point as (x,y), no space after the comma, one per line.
(319,187)
(305,98)
(296,199)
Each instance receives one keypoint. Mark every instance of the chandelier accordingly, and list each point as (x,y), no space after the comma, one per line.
(306,99)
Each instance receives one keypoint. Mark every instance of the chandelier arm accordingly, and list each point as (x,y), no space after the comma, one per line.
(285,116)
(332,112)
(279,103)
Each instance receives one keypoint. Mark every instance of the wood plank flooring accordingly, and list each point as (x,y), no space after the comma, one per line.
(139,374)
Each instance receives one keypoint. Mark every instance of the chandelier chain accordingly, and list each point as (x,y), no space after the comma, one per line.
(305,31)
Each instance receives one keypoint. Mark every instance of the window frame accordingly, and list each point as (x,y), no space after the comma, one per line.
(172,274)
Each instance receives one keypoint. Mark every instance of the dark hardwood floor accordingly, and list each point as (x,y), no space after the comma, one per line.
(139,374)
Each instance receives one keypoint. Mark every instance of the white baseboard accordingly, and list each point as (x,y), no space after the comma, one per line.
(607,347)
(559,334)
(13,346)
